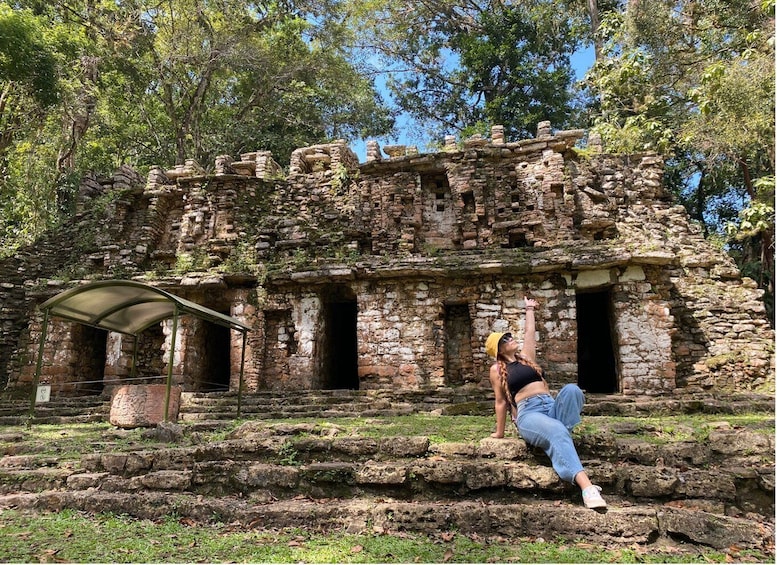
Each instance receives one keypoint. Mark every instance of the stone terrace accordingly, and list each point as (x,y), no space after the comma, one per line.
(314,473)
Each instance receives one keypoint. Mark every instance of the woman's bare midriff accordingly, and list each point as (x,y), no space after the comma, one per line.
(539,387)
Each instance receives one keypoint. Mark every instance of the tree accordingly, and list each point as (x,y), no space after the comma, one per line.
(28,73)
(146,83)
(460,66)
(201,72)
(694,80)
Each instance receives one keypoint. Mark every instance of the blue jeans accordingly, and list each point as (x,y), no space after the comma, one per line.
(546,423)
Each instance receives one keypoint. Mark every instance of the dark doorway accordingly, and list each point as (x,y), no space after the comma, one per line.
(596,370)
(458,345)
(217,346)
(339,361)
(90,346)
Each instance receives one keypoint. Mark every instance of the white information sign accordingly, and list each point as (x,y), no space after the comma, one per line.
(44,394)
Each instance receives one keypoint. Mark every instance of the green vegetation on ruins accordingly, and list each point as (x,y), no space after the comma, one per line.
(70,536)
(70,441)
(90,86)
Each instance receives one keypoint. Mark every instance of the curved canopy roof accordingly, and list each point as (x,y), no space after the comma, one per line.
(128,307)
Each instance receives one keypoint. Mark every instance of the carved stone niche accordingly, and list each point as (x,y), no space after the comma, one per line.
(138,406)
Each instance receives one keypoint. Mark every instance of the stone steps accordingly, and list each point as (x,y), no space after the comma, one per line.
(349,403)
(625,524)
(469,400)
(733,471)
(717,490)
(63,410)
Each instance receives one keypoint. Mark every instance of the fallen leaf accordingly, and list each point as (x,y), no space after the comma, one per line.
(448,556)
(48,556)
(357,549)
(447,536)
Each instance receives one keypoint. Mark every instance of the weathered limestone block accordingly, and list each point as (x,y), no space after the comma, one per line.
(453,449)
(628,525)
(655,482)
(373,151)
(531,477)
(372,473)
(486,474)
(167,480)
(266,475)
(126,177)
(710,529)
(405,446)
(395,151)
(113,462)
(701,483)
(442,472)
(498,135)
(224,165)
(175,458)
(138,461)
(502,448)
(544,129)
(324,157)
(134,406)
(358,447)
(736,442)
(214,477)
(82,481)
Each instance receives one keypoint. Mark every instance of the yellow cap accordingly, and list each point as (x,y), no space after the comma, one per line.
(492,343)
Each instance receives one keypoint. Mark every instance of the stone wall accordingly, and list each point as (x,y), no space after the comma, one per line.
(391,273)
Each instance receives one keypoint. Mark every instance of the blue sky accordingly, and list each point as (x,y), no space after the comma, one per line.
(581,62)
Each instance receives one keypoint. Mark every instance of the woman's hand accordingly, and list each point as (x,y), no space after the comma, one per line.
(497,435)
(530,303)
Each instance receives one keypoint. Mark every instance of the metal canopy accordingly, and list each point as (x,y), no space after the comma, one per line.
(128,307)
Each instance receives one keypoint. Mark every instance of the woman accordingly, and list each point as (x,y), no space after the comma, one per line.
(519,385)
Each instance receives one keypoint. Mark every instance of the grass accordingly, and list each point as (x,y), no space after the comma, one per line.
(70,441)
(74,537)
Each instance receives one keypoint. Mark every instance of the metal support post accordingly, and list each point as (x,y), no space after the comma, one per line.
(38,365)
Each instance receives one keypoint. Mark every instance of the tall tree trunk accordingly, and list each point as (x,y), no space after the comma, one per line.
(78,122)
(593,13)
(764,239)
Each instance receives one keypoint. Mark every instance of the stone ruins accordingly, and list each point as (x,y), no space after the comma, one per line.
(389,274)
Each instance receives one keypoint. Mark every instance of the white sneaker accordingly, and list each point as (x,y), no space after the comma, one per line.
(592,499)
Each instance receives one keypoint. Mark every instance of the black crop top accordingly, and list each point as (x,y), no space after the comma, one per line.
(520,375)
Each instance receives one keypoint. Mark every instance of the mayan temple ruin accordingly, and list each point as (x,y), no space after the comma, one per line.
(389,274)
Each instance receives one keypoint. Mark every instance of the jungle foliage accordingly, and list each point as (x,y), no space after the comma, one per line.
(89,85)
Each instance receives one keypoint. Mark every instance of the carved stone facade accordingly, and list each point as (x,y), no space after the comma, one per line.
(391,273)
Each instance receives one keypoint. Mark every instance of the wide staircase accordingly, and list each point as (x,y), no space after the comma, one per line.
(296,460)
